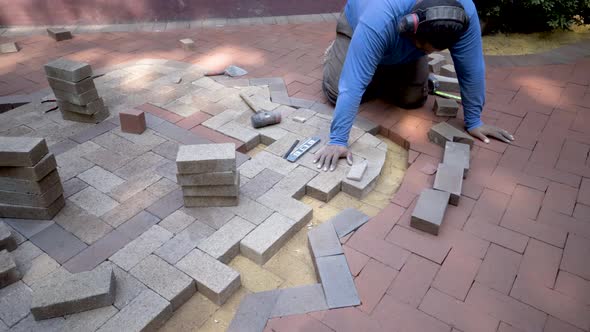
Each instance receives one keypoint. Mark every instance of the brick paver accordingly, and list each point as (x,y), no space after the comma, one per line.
(511,256)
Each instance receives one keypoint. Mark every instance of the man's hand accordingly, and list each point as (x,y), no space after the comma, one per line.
(329,155)
(485,130)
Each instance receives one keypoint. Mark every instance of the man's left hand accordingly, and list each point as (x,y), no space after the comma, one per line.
(484,131)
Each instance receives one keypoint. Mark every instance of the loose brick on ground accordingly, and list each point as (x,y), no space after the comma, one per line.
(445,107)
(357,171)
(444,132)
(457,154)
(187,44)
(449,178)
(9,48)
(80,292)
(132,121)
(430,210)
(59,34)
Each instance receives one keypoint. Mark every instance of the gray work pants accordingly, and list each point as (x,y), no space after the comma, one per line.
(404,85)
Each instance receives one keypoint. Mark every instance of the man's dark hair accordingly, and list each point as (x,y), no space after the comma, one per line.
(441,34)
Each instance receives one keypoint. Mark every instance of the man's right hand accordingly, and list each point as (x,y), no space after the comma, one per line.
(327,158)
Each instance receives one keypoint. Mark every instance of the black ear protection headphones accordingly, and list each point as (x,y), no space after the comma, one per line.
(408,24)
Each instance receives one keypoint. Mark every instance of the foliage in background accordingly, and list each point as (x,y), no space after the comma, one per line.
(531,15)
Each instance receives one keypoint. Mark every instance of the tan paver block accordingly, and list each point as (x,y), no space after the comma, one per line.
(68,70)
(72,87)
(22,151)
(264,241)
(214,279)
(204,158)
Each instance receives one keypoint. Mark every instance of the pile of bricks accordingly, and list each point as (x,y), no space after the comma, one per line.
(75,92)
(430,209)
(30,187)
(207,174)
(9,273)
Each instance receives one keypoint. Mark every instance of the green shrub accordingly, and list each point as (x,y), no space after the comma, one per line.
(531,15)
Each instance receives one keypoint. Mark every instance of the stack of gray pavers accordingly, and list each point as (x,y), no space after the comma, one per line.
(430,209)
(75,92)
(9,273)
(207,174)
(30,187)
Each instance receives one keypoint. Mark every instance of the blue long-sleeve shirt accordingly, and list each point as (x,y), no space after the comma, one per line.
(376,41)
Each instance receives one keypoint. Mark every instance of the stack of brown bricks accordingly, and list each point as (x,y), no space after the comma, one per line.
(207,174)
(430,209)
(74,89)
(30,187)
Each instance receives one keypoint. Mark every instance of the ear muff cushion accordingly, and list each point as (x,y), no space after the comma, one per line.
(409,24)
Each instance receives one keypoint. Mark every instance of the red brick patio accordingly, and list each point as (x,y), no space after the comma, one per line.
(513,256)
